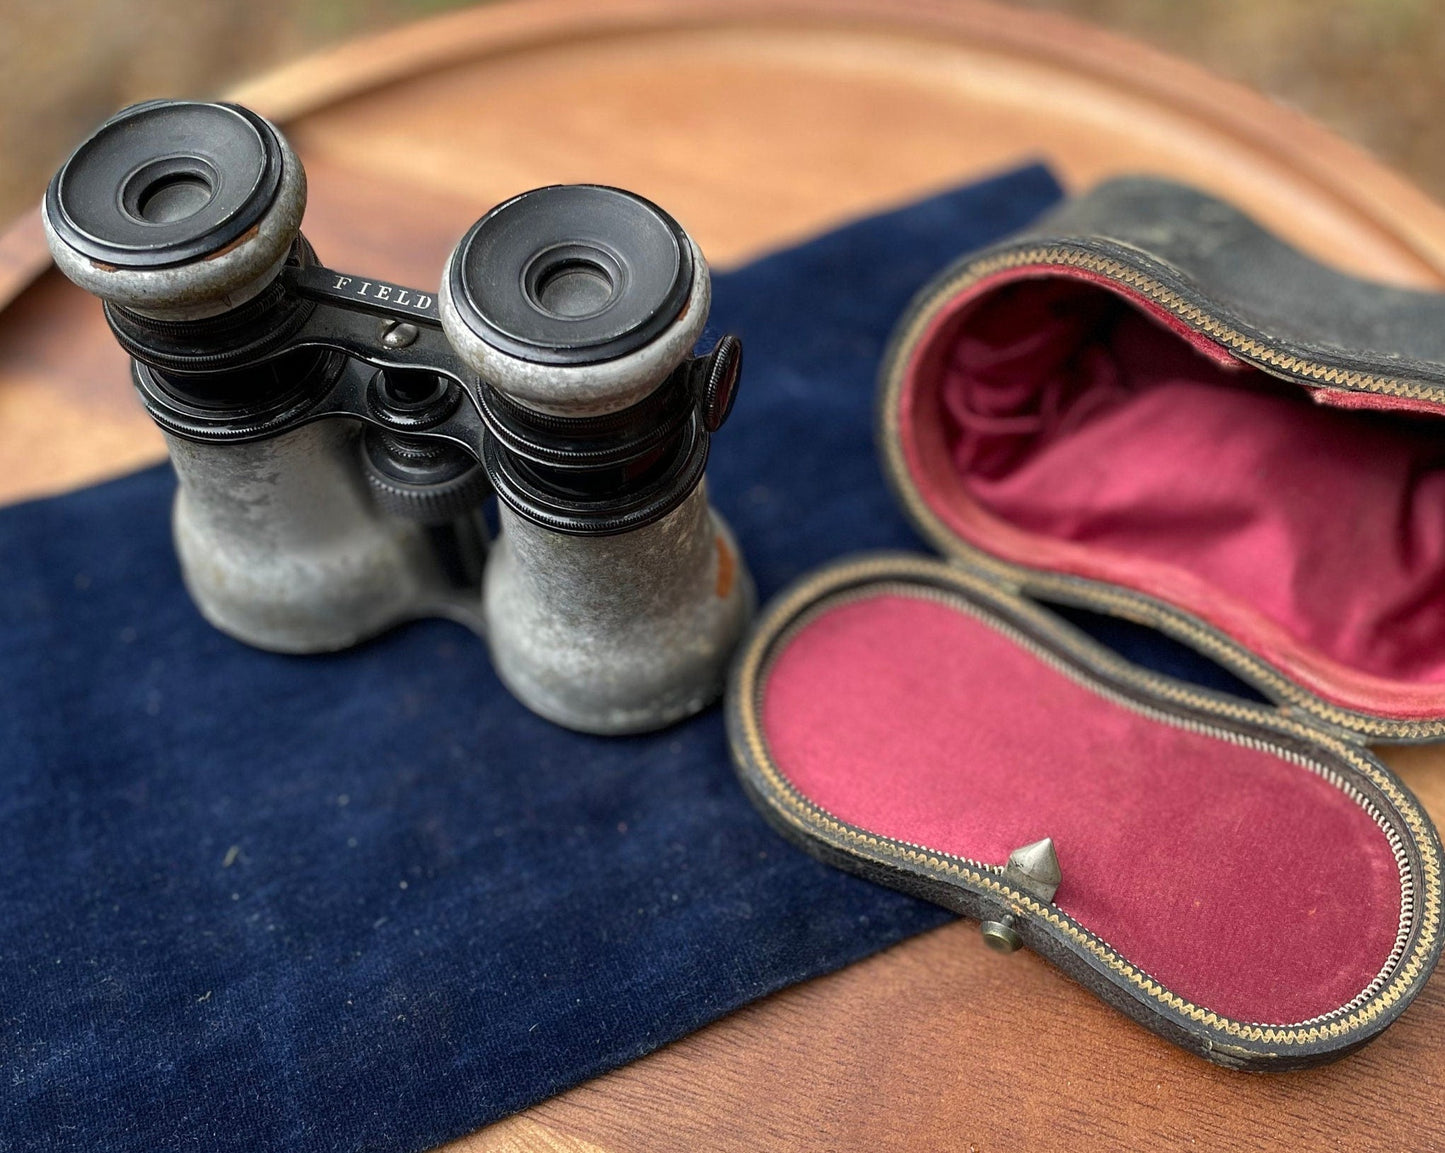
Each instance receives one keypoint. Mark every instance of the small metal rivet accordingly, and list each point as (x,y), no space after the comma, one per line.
(1000,936)
(398,334)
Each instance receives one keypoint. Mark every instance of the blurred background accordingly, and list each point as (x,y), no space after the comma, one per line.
(1374,70)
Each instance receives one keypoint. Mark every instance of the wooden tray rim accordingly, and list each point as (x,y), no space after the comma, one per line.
(1345,172)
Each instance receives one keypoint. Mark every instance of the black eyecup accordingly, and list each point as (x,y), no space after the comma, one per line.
(629,265)
(227,153)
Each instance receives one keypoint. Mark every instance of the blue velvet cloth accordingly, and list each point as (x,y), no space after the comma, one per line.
(255,902)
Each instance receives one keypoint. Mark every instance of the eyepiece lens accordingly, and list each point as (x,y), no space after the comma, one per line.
(573,281)
(575,289)
(169,190)
(174,198)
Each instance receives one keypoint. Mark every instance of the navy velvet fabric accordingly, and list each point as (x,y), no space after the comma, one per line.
(369,902)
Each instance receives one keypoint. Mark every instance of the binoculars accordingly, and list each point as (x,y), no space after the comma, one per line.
(336,437)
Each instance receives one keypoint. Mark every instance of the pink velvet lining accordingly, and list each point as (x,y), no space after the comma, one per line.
(1246,884)
(1059,425)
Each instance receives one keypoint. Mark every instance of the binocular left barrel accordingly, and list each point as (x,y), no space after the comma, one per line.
(336,437)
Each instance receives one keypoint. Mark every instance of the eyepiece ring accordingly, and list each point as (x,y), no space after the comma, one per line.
(176,210)
(571,274)
(166,182)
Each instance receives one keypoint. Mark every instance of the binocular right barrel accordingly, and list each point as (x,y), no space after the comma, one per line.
(336,437)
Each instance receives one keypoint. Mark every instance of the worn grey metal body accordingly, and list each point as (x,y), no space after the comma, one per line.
(617,634)
(610,633)
(281,546)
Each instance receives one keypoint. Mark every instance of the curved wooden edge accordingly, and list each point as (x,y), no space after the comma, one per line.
(23,255)
(1348,172)
(1356,179)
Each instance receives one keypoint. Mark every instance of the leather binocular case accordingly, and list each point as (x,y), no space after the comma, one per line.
(336,437)
(1145,410)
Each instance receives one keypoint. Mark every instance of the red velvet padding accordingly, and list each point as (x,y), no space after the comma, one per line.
(1054,423)
(1246,884)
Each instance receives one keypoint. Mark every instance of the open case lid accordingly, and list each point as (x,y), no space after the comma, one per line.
(1148,407)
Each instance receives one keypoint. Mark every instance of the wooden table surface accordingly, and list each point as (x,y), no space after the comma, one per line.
(756,124)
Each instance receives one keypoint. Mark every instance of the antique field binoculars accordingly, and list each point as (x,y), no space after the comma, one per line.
(336,436)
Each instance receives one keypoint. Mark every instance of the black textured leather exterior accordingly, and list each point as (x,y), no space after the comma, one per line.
(1216,257)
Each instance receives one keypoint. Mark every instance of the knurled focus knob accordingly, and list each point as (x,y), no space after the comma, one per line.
(719,390)
(421,479)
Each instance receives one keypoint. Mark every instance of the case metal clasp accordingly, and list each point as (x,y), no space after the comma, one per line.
(1034,869)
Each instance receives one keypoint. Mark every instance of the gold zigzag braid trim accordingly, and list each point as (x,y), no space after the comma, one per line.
(1136,606)
(1249,346)
(1420,896)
